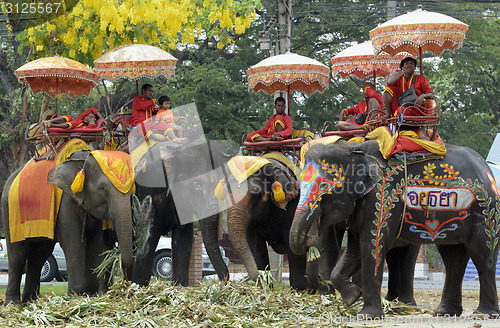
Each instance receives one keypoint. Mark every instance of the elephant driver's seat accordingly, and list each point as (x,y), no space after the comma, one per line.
(45,142)
(289,147)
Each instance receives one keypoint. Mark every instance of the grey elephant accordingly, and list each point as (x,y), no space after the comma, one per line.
(263,202)
(78,228)
(180,179)
(452,202)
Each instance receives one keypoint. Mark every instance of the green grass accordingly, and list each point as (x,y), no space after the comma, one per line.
(161,304)
(57,290)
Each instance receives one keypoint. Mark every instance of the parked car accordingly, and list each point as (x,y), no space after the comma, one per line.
(55,266)
(162,263)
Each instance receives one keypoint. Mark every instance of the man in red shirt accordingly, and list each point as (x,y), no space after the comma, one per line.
(277,128)
(373,101)
(143,107)
(404,87)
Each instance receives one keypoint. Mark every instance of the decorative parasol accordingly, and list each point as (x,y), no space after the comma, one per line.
(360,60)
(135,61)
(57,75)
(417,32)
(288,72)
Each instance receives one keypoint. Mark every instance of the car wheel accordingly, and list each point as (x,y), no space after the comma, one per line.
(49,270)
(162,265)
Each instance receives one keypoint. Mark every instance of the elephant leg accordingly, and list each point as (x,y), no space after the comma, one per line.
(371,279)
(210,230)
(17,260)
(329,246)
(93,258)
(143,263)
(38,253)
(401,264)
(258,246)
(455,258)
(105,281)
(297,265)
(68,231)
(182,244)
(348,264)
(481,256)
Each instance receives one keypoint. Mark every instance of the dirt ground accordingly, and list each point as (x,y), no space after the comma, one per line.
(427,301)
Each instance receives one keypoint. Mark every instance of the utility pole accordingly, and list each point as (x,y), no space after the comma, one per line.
(391,9)
(284,27)
(284,37)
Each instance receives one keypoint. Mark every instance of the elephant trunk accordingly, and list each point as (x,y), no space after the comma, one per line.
(210,231)
(123,228)
(238,219)
(301,224)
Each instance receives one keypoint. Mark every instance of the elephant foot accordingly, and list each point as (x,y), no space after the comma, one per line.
(391,297)
(402,299)
(448,310)
(370,312)
(350,295)
(487,312)
(11,301)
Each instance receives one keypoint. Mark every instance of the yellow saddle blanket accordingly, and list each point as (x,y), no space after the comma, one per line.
(33,203)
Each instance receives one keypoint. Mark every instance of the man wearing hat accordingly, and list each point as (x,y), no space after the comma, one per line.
(406,87)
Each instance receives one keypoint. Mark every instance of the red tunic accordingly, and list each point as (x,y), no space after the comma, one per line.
(282,119)
(362,106)
(421,87)
(142,109)
(78,122)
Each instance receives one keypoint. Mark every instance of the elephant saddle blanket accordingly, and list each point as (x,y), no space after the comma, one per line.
(34,203)
(405,140)
(242,167)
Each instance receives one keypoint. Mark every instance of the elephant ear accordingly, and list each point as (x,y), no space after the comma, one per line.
(285,187)
(369,170)
(64,174)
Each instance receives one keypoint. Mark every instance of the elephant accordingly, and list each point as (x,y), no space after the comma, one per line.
(78,229)
(263,206)
(451,201)
(174,175)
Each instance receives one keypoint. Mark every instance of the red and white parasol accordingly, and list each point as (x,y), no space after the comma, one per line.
(288,72)
(360,60)
(417,32)
(57,75)
(135,61)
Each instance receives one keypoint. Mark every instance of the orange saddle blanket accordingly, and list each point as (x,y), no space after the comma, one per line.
(34,203)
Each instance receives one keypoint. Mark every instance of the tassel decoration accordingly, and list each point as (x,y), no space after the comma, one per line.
(278,193)
(219,192)
(77,184)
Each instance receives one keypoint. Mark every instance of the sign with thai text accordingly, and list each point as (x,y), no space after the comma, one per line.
(438,198)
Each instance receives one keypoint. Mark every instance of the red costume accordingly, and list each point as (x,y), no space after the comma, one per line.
(282,119)
(362,106)
(421,87)
(142,109)
(78,122)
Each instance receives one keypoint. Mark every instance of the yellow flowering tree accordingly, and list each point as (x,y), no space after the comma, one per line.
(91,27)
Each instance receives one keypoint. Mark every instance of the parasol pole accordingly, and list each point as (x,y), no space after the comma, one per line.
(374,79)
(137,87)
(288,87)
(420,55)
(57,91)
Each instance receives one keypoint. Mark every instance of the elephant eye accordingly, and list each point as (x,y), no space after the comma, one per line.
(323,186)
